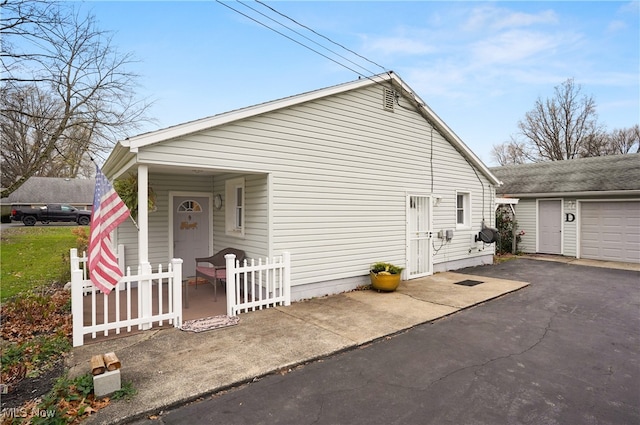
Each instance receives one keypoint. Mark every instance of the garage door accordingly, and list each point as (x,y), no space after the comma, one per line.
(610,231)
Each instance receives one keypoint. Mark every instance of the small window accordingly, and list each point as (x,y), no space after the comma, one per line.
(239,207)
(388,99)
(463,209)
(189,206)
(234,210)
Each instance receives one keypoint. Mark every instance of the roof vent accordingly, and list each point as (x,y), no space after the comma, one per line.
(388,99)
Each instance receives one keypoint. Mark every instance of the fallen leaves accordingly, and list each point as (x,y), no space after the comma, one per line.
(35,314)
(77,410)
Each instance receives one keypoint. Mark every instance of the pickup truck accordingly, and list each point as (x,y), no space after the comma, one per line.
(49,213)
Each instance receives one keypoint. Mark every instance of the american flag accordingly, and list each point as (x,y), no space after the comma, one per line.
(108,212)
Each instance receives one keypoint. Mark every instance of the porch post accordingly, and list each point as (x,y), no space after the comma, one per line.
(286,257)
(513,231)
(176,263)
(144,287)
(230,281)
(77,313)
(143,213)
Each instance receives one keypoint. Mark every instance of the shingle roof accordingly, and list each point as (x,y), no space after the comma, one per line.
(604,173)
(47,190)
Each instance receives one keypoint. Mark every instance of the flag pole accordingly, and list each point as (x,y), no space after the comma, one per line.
(130,216)
(134,222)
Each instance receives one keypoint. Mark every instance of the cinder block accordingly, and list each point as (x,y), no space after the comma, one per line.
(107,383)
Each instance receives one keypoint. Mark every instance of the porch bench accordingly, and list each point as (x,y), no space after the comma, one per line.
(218,267)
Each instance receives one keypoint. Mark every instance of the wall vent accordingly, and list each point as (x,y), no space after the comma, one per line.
(388,99)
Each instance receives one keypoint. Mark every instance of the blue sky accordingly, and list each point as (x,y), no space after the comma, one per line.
(479,65)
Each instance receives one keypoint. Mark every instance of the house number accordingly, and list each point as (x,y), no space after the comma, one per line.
(569,217)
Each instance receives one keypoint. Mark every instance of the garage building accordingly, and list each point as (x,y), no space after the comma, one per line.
(584,208)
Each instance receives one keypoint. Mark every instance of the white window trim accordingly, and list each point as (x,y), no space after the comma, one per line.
(233,205)
(466,210)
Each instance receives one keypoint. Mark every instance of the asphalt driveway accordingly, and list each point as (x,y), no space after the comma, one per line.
(564,350)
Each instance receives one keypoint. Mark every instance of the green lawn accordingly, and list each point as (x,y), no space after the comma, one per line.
(34,256)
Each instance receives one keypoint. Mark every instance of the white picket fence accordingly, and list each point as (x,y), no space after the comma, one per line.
(130,303)
(254,285)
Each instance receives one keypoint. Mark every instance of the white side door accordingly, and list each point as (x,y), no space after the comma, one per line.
(550,226)
(419,235)
(190,230)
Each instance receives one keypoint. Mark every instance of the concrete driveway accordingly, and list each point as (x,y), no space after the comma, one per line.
(564,350)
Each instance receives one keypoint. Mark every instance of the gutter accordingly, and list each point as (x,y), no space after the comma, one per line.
(635,192)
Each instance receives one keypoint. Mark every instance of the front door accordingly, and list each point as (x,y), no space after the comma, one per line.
(550,227)
(190,230)
(419,234)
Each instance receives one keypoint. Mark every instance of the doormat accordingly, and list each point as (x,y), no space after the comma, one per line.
(209,323)
(468,282)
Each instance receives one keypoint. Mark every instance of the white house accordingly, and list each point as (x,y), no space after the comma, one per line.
(584,208)
(339,177)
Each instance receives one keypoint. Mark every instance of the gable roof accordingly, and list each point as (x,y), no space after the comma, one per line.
(122,152)
(614,173)
(53,190)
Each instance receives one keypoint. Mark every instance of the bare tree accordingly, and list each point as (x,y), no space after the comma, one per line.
(65,56)
(510,153)
(623,141)
(561,127)
(24,127)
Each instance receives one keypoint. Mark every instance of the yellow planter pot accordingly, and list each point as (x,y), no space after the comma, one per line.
(385,282)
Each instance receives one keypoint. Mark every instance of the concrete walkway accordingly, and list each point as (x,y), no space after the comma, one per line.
(169,367)
(585,262)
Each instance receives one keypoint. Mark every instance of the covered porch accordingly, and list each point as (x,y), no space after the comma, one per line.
(156,298)
(198,303)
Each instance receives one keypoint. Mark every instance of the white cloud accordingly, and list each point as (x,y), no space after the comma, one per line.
(632,8)
(615,26)
(445,79)
(512,47)
(403,45)
(490,17)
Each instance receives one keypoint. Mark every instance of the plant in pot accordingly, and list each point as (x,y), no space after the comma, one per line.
(127,189)
(385,276)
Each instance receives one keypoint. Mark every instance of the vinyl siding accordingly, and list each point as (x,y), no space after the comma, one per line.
(255,240)
(159,244)
(339,169)
(569,229)
(452,173)
(526,217)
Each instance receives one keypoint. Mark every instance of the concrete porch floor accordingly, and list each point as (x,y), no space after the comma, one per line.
(201,302)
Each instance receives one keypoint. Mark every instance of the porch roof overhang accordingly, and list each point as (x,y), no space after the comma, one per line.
(507,201)
(124,154)
(121,159)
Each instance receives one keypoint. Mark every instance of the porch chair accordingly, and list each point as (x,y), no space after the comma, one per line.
(218,267)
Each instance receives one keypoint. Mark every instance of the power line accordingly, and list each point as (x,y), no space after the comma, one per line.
(304,36)
(320,35)
(299,42)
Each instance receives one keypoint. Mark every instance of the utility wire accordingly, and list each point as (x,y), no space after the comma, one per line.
(320,35)
(296,41)
(304,36)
